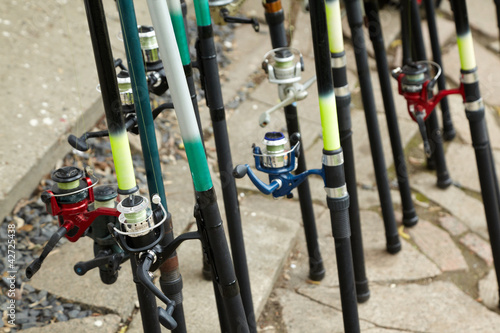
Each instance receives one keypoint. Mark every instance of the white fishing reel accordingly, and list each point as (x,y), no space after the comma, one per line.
(282,68)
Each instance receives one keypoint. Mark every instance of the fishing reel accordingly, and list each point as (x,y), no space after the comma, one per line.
(282,69)
(278,163)
(70,199)
(155,73)
(139,227)
(416,85)
(222,12)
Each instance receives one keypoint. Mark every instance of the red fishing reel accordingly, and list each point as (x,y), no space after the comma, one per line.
(69,200)
(416,85)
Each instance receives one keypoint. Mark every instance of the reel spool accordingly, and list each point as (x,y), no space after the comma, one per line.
(139,228)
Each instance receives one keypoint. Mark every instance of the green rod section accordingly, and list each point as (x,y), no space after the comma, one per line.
(175,11)
(140,90)
(202,11)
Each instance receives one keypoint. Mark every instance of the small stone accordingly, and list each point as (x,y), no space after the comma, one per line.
(488,290)
(479,246)
(98,323)
(60,316)
(451,224)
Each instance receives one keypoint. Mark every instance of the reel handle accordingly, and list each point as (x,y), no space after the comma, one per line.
(166,318)
(78,143)
(37,263)
(240,171)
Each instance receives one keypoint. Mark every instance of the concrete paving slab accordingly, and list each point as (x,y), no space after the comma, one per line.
(468,210)
(380,265)
(452,225)
(488,290)
(465,173)
(424,308)
(438,246)
(58,277)
(102,324)
(303,314)
(478,246)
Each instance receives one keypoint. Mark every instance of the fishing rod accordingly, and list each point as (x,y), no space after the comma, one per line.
(210,227)
(410,217)
(428,125)
(415,84)
(343,103)
(448,130)
(275,18)
(209,76)
(355,19)
(279,163)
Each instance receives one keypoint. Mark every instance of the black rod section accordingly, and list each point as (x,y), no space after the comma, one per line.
(343,102)
(448,129)
(475,112)
(410,217)
(333,166)
(211,83)
(355,19)
(275,18)
(223,272)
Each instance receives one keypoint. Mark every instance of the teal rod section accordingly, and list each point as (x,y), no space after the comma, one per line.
(175,10)
(140,90)
(202,11)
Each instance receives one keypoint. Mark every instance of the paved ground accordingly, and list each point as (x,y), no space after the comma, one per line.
(442,280)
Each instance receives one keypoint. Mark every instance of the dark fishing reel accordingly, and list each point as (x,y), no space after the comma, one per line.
(223,11)
(70,199)
(416,85)
(155,73)
(278,163)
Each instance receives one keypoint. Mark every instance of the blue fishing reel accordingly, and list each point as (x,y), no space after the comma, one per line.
(278,163)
